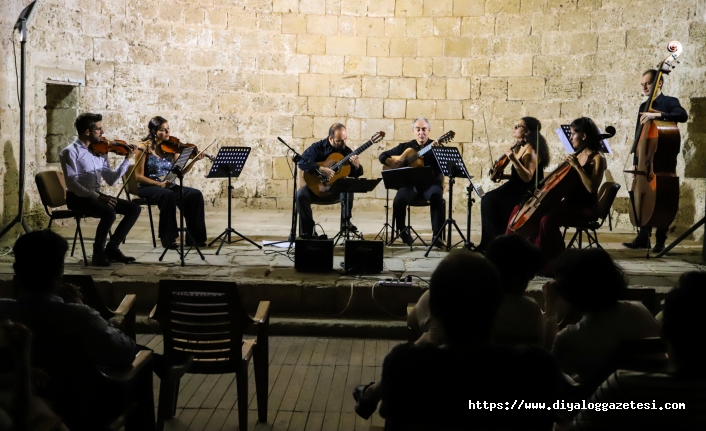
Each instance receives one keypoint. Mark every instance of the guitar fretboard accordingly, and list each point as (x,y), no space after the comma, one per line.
(355,152)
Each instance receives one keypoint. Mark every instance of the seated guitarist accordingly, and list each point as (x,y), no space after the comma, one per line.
(319,152)
(432,193)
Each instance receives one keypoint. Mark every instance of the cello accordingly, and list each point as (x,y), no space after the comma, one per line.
(549,193)
(654,194)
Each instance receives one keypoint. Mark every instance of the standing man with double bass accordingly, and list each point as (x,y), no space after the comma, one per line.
(669,110)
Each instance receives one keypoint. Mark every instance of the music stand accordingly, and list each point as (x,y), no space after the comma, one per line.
(452,166)
(406,177)
(351,185)
(229,163)
(183,232)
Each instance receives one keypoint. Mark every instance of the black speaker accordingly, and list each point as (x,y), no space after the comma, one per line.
(363,256)
(312,255)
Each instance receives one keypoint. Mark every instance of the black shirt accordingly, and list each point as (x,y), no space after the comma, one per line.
(430,388)
(318,152)
(429,158)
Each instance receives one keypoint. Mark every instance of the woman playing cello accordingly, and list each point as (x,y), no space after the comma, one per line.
(165,194)
(497,205)
(580,203)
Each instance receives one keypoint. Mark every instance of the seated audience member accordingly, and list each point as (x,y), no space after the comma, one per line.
(20,410)
(71,340)
(519,319)
(682,329)
(368,396)
(589,281)
(425,387)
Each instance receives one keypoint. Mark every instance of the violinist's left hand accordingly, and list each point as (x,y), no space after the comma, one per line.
(354,161)
(200,156)
(511,155)
(573,161)
(647,116)
(130,151)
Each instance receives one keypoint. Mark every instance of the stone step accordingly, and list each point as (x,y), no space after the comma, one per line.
(314,327)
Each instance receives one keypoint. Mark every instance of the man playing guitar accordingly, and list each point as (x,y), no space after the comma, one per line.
(319,152)
(432,193)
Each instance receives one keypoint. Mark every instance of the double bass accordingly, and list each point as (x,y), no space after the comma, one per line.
(550,192)
(654,195)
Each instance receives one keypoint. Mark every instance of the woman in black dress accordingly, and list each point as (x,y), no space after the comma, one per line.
(496,206)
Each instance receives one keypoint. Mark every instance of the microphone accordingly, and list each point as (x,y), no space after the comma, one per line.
(281,140)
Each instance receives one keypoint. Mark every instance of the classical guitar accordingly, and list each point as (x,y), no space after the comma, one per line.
(415,159)
(339,165)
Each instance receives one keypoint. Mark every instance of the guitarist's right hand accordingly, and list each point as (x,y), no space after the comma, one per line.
(328,173)
(394,164)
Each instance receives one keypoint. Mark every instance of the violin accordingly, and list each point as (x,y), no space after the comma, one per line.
(105,146)
(496,172)
(174,145)
(654,194)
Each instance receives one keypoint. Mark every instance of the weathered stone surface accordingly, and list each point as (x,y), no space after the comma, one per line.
(258,69)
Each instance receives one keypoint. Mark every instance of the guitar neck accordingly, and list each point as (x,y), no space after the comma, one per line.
(420,153)
(355,152)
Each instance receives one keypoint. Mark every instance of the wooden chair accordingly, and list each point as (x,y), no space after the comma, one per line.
(52,192)
(94,300)
(203,323)
(131,189)
(606,196)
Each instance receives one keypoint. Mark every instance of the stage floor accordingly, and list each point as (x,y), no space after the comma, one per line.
(269,273)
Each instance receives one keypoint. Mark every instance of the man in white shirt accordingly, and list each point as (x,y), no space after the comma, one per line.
(83,171)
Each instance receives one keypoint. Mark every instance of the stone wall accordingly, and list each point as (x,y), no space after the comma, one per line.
(246,71)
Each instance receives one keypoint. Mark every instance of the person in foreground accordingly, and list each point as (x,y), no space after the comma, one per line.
(71,340)
(594,286)
(519,319)
(675,400)
(425,387)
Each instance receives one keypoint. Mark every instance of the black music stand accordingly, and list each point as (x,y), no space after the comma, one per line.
(229,163)
(452,166)
(351,185)
(406,177)
(183,232)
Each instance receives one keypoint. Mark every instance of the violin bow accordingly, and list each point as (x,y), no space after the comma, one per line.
(197,156)
(536,167)
(490,152)
(144,150)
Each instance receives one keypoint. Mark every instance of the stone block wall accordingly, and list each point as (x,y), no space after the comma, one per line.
(243,72)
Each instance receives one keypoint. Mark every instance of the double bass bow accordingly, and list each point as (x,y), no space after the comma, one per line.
(654,194)
(549,193)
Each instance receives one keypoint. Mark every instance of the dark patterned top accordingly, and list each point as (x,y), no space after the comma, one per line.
(156,167)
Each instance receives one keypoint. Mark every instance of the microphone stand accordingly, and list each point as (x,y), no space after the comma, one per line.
(296,158)
(21,26)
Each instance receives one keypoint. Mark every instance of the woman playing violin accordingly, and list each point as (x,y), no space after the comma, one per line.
(497,205)
(580,204)
(158,162)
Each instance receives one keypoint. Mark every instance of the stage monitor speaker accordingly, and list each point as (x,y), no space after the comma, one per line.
(363,256)
(312,255)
